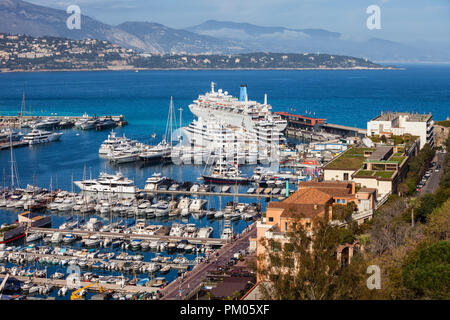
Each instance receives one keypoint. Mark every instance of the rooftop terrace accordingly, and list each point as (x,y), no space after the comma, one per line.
(352,159)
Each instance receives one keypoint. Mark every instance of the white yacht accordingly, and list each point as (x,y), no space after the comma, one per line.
(205,232)
(36,136)
(108,183)
(227,232)
(112,142)
(152,182)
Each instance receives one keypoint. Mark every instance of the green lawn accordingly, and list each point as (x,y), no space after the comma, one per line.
(352,159)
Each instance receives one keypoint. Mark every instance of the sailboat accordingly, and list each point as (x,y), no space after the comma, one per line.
(225,173)
(164,148)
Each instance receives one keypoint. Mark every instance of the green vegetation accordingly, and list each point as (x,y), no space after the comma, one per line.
(428,270)
(352,159)
(397,158)
(384,174)
(417,167)
(298,272)
(444,123)
(364,173)
(375,173)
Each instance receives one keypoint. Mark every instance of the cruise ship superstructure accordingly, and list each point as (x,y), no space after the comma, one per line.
(234,111)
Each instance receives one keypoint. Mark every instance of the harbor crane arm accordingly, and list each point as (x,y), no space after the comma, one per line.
(76,296)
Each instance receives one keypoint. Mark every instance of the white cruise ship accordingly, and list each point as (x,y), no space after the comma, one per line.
(36,136)
(234,111)
(244,146)
(108,183)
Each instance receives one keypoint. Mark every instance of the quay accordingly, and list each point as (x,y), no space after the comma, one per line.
(120,263)
(104,286)
(130,236)
(15,144)
(317,128)
(185,287)
(212,194)
(18,120)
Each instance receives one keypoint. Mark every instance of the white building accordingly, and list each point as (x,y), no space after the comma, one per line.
(399,123)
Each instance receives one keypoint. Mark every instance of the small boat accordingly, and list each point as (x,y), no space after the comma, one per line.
(62,292)
(34,237)
(164,269)
(218,215)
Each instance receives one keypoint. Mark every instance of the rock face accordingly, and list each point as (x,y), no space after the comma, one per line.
(440,135)
(20,17)
(158,38)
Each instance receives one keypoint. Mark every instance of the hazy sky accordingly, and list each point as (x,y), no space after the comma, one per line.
(401,20)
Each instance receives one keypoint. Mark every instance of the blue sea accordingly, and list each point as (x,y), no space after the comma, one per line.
(342,97)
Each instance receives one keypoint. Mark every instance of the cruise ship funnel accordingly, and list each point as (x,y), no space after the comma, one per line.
(243,95)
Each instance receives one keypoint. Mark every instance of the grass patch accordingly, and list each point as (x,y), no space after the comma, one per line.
(364,173)
(444,123)
(398,159)
(352,159)
(384,174)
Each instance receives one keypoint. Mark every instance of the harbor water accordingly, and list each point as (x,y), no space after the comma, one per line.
(343,97)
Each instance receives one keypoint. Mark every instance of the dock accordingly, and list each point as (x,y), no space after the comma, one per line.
(129,236)
(184,288)
(211,194)
(18,120)
(105,286)
(15,144)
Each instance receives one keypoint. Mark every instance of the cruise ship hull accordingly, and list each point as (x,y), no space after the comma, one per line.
(231,118)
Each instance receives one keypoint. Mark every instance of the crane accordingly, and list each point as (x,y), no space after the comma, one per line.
(76,296)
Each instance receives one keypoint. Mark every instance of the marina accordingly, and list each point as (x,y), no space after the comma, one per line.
(61,179)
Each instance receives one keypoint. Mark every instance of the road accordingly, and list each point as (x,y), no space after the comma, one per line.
(433,181)
(194,278)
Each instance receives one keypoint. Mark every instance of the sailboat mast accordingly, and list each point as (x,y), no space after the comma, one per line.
(12,162)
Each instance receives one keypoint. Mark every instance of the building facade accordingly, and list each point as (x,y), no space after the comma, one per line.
(399,123)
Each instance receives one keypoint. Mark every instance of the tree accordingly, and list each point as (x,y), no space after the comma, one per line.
(428,271)
(426,206)
(305,266)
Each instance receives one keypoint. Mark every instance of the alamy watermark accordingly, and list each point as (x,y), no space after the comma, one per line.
(374,281)
(374,20)
(74,20)
(73,280)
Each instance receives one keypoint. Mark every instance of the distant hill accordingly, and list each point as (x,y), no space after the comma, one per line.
(27,53)
(158,38)
(223,28)
(20,17)
(221,37)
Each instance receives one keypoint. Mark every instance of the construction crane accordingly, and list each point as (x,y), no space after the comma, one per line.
(76,296)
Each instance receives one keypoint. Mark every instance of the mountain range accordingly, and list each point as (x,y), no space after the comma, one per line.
(221,37)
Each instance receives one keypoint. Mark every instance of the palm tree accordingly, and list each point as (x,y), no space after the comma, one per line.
(412,203)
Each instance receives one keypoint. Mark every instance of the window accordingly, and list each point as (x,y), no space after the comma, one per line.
(285,226)
(308,224)
(343,200)
(338,201)
(345,176)
(270,219)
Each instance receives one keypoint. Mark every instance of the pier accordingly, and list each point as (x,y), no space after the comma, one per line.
(213,194)
(15,144)
(105,286)
(129,236)
(18,120)
(184,288)
(317,128)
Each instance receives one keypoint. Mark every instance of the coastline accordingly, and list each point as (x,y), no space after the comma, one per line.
(191,69)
